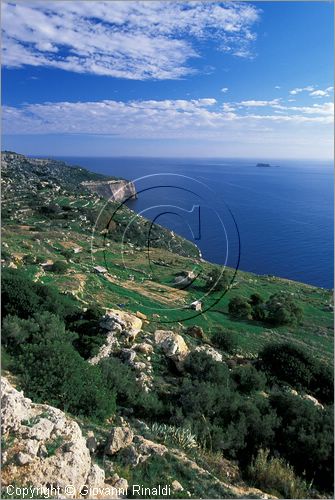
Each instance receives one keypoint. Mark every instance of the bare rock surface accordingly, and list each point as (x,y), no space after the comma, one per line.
(120,437)
(210,351)
(173,346)
(44,446)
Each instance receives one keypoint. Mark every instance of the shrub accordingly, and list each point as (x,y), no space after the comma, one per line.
(217,280)
(256,299)
(59,267)
(248,379)
(288,363)
(277,477)
(282,310)
(22,297)
(203,367)
(121,379)
(51,370)
(225,340)
(305,438)
(179,436)
(239,307)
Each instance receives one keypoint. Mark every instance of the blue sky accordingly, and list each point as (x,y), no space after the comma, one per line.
(93,78)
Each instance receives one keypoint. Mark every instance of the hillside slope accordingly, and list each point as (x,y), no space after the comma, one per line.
(95,325)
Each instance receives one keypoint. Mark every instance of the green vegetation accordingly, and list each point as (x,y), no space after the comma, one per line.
(275,337)
(277,477)
(217,280)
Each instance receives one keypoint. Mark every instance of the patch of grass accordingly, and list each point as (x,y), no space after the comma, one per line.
(277,477)
(53,446)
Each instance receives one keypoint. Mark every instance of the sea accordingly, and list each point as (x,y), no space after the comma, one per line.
(275,220)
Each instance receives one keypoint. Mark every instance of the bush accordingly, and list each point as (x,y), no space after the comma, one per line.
(282,310)
(239,307)
(225,340)
(217,280)
(59,267)
(256,299)
(50,370)
(121,379)
(248,379)
(276,477)
(22,297)
(287,363)
(201,366)
(306,438)
(179,436)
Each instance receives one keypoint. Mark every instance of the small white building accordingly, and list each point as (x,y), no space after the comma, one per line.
(100,270)
(196,305)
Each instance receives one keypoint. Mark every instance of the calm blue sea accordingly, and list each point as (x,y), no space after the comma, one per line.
(276,221)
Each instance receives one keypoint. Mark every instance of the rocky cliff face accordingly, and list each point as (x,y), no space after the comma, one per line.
(114,190)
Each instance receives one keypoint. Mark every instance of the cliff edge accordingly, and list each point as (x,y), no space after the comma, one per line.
(113,190)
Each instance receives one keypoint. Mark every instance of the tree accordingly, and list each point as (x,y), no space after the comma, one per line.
(59,267)
(239,307)
(258,307)
(256,299)
(225,340)
(282,310)
(217,280)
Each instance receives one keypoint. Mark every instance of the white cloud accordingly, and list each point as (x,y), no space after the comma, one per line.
(277,87)
(135,40)
(298,90)
(256,104)
(322,93)
(197,118)
(224,89)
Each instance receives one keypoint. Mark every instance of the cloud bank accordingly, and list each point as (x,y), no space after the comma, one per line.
(133,40)
(198,118)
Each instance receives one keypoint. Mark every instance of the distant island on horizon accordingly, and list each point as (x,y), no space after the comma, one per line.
(266,165)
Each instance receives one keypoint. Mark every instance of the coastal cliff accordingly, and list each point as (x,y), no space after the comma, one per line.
(114,190)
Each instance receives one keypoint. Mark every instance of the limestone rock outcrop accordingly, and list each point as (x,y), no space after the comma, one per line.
(210,351)
(120,437)
(43,446)
(173,346)
(122,322)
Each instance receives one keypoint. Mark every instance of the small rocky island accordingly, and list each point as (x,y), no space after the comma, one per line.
(265,165)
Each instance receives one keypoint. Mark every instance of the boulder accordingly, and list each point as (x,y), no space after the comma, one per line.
(173,346)
(141,315)
(144,348)
(196,332)
(121,322)
(313,400)
(122,486)
(210,351)
(147,448)
(46,442)
(22,458)
(120,437)
(130,456)
(176,486)
(96,477)
(91,442)
(127,356)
